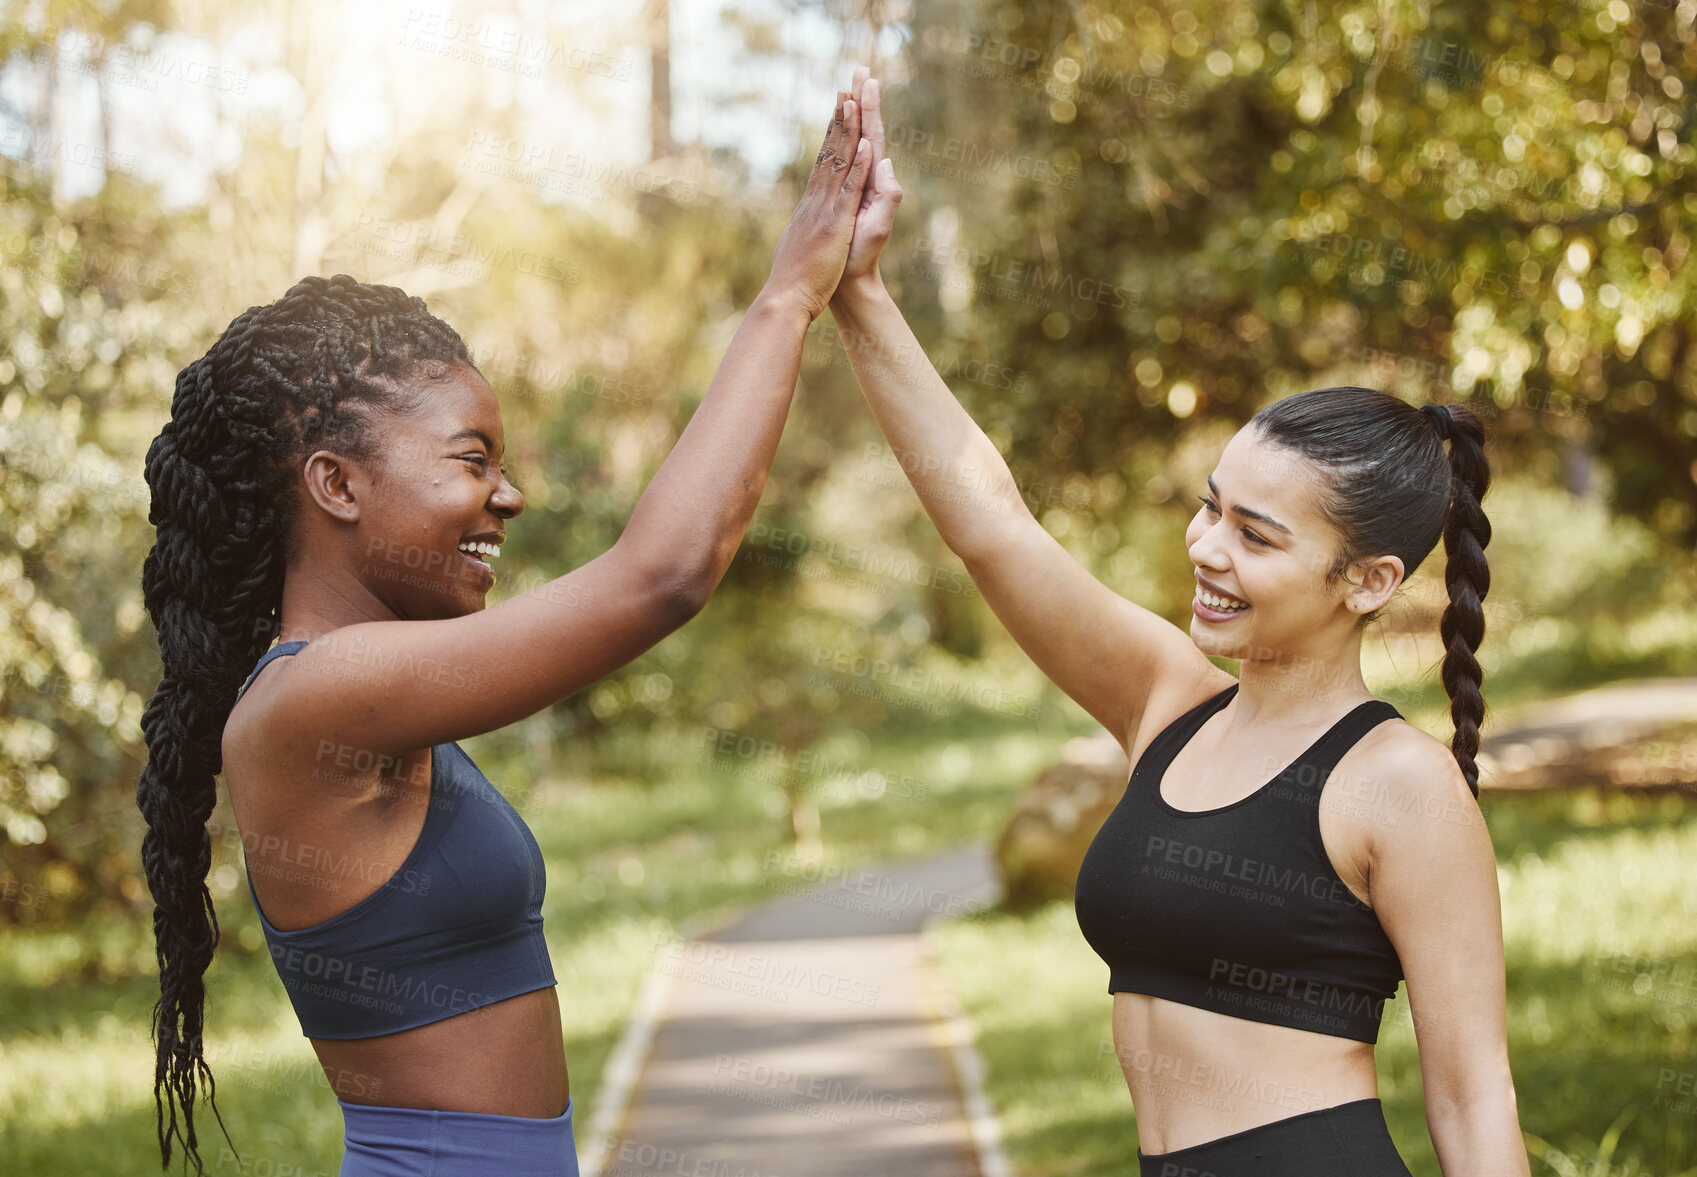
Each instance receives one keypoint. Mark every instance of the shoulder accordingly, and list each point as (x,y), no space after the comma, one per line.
(1410,788)
(1170,700)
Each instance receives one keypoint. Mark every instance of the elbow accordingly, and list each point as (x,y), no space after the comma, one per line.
(683,600)
(676,592)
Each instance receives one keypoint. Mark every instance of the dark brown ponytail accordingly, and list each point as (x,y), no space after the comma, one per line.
(1467,575)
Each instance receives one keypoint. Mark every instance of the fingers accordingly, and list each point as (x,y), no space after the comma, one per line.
(872,117)
(832,145)
(861,73)
(840,144)
(855,182)
(888,189)
(878,217)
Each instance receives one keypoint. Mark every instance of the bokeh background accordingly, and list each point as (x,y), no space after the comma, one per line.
(1127,226)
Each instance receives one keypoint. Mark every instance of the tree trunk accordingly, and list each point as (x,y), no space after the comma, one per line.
(660,145)
(307,63)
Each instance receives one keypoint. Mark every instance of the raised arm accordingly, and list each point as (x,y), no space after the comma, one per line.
(1107,653)
(392,687)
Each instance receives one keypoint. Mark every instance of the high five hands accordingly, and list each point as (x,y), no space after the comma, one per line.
(878,200)
(844,217)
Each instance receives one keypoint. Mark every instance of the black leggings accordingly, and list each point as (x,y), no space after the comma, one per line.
(1349,1140)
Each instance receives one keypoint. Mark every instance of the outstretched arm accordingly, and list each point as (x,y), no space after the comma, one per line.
(690,519)
(361,684)
(1107,653)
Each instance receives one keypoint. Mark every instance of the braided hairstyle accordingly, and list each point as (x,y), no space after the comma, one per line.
(1388,487)
(310,371)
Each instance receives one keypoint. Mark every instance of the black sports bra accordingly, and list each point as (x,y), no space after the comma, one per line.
(1238,909)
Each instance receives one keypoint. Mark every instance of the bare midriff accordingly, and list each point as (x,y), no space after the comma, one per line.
(504,1059)
(1196,1075)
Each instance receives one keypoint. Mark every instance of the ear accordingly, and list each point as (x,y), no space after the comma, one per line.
(1375,585)
(333,484)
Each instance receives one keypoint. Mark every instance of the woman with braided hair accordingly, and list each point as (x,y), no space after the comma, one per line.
(331,475)
(1288,849)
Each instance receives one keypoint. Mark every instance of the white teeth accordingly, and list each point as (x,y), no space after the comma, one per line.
(1216,602)
(480,549)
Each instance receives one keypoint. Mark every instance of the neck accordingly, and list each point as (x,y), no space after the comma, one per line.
(1302,688)
(324,597)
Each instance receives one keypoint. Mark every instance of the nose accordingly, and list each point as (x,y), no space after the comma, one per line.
(1205,549)
(507,501)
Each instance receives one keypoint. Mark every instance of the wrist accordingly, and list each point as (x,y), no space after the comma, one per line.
(785,305)
(855,294)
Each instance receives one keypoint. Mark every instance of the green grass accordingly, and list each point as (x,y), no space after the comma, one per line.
(630,864)
(1600,936)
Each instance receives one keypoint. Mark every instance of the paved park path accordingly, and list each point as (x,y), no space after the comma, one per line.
(810,1038)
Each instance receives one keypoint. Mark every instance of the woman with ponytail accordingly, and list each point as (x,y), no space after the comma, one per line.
(331,475)
(1288,849)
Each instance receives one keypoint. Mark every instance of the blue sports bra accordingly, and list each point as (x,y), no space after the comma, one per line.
(1238,909)
(457,926)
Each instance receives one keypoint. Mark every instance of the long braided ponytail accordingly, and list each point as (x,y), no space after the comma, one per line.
(300,374)
(1390,489)
(1468,578)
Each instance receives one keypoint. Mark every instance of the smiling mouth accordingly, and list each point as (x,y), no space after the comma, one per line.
(479,553)
(1215,603)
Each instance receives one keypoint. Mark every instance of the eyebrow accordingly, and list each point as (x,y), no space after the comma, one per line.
(1250,512)
(475,433)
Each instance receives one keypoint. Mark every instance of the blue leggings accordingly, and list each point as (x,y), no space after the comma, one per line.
(1348,1140)
(410,1142)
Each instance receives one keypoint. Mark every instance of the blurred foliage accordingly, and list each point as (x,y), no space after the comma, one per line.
(1127,227)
